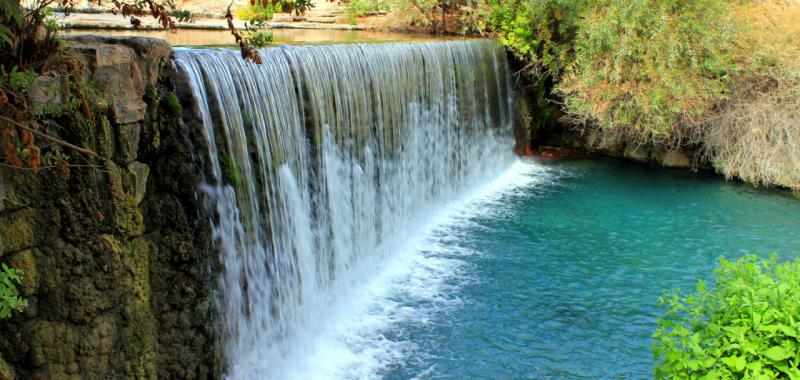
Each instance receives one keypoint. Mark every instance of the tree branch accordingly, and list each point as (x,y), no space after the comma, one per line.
(52,138)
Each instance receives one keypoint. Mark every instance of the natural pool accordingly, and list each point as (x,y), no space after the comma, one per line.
(559,277)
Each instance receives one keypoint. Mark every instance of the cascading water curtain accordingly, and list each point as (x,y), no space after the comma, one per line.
(325,159)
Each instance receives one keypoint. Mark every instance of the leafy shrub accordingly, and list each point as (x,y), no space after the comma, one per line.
(541,32)
(437,16)
(16,80)
(415,12)
(11,16)
(718,74)
(649,66)
(10,299)
(258,12)
(361,8)
(258,38)
(746,326)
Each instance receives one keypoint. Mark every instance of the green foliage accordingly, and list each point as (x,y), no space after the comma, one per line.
(473,18)
(11,14)
(16,80)
(258,12)
(258,38)
(361,8)
(263,10)
(541,32)
(10,300)
(54,157)
(172,105)
(746,326)
(647,66)
(181,15)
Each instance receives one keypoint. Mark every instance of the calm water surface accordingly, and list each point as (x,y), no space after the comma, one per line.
(560,279)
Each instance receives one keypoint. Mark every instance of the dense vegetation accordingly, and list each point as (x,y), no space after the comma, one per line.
(717,73)
(747,325)
(721,75)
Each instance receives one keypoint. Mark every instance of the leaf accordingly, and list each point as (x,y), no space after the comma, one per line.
(736,330)
(712,375)
(788,331)
(755,367)
(5,34)
(12,11)
(777,353)
(735,362)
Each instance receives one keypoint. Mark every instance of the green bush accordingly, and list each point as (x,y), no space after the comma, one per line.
(649,66)
(361,8)
(746,326)
(541,32)
(258,12)
(645,66)
(10,299)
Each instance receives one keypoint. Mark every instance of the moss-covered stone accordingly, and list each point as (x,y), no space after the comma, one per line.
(140,173)
(128,137)
(140,329)
(126,218)
(17,230)
(676,159)
(6,372)
(637,153)
(117,261)
(105,138)
(171,105)
(53,350)
(25,261)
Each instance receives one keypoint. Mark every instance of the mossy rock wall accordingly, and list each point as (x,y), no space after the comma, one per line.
(117,258)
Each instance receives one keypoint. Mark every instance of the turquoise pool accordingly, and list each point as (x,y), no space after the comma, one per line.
(560,278)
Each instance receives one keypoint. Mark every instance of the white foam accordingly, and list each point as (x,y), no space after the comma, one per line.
(416,279)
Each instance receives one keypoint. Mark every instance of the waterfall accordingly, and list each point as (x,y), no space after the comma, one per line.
(325,160)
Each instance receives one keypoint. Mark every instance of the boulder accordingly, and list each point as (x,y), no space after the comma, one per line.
(6,372)
(636,153)
(128,137)
(122,69)
(17,230)
(46,94)
(140,173)
(676,159)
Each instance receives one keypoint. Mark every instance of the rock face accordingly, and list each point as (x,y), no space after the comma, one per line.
(563,136)
(117,258)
